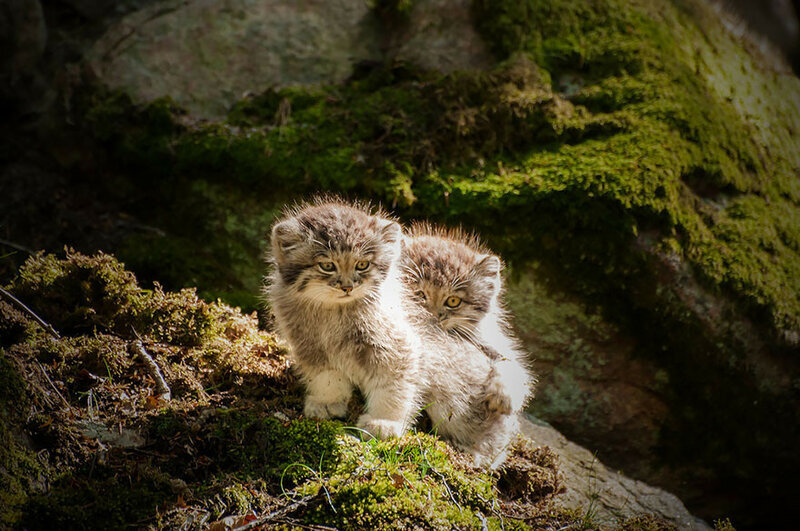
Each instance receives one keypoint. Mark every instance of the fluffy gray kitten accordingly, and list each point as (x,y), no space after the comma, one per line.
(458,281)
(351,322)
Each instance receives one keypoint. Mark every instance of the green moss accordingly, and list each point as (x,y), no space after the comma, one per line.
(723,524)
(271,450)
(80,292)
(108,498)
(248,444)
(21,473)
(138,137)
(621,57)
(409,482)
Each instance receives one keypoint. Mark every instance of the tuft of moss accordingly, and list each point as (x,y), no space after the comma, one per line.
(248,443)
(530,473)
(412,482)
(723,524)
(80,293)
(105,498)
(646,523)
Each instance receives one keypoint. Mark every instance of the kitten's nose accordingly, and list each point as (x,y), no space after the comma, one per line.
(347,289)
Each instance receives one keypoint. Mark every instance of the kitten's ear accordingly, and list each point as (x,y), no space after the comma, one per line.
(286,235)
(391,230)
(489,266)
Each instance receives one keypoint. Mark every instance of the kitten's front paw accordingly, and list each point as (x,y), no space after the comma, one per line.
(498,400)
(323,410)
(381,428)
(490,461)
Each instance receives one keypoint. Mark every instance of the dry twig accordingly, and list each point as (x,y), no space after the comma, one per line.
(281,513)
(46,377)
(16,246)
(18,303)
(152,367)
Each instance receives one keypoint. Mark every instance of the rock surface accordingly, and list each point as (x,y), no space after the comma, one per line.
(207,55)
(439,35)
(592,386)
(610,496)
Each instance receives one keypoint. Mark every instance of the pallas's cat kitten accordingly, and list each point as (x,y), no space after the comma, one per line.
(458,281)
(350,321)
(336,296)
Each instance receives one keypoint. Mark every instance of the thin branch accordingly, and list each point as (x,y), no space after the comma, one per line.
(280,513)
(152,367)
(16,246)
(46,377)
(18,303)
(295,524)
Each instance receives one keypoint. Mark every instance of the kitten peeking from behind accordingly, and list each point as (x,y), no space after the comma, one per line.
(458,281)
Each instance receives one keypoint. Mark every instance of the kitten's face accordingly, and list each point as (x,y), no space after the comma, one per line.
(454,283)
(334,254)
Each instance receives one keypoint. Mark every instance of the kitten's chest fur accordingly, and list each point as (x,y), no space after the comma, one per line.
(341,337)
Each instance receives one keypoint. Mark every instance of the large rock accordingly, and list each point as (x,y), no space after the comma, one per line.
(592,386)
(207,55)
(439,35)
(608,496)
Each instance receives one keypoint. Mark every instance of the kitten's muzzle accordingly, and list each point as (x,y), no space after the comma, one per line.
(347,289)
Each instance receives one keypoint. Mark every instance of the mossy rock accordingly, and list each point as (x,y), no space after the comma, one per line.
(88,442)
(606,125)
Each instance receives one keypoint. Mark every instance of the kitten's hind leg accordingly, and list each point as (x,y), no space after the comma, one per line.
(497,399)
(492,449)
(328,395)
(508,387)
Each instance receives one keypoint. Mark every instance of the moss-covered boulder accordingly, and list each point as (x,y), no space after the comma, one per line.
(89,441)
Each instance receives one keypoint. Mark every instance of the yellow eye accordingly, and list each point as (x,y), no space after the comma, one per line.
(362,265)
(327,266)
(453,302)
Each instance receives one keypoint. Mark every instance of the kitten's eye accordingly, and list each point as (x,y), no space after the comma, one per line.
(362,265)
(453,302)
(327,267)
(420,294)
